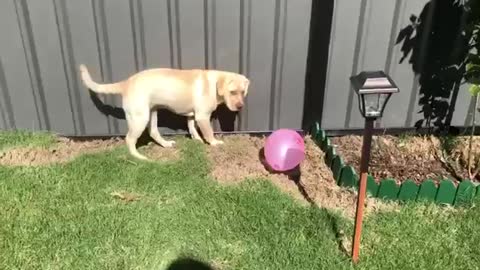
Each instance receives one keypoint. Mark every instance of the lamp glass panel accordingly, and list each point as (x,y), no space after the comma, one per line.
(374,104)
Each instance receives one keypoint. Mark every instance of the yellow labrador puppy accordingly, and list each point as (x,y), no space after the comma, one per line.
(192,93)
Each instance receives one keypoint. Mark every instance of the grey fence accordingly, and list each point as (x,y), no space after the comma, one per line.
(364,37)
(298,54)
(43,41)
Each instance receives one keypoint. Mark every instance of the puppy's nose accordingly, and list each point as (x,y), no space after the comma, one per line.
(239,105)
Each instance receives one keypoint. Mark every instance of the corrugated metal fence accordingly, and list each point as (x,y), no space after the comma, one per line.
(43,41)
(364,35)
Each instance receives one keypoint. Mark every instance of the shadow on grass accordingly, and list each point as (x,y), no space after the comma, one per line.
(294,175)
(339,233)
(188,264)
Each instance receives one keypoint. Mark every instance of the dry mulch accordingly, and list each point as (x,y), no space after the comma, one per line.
(65,150)
(240,158)
(413,157)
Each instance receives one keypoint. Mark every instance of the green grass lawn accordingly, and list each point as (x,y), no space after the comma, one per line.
(64,217)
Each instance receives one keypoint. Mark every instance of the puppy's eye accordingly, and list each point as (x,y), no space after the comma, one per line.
(236,92)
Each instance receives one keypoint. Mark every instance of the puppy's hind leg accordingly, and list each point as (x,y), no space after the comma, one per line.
(137,122)
(193,130)
(154,131)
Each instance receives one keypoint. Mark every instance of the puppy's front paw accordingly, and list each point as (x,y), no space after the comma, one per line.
(168,144)
(216,142)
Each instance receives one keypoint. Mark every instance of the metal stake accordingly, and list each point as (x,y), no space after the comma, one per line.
(365,159)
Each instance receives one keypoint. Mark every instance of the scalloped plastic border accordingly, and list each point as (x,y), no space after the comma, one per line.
(445,193)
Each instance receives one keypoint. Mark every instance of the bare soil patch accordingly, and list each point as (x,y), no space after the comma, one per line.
(240,158)
(66,150)
(414,157)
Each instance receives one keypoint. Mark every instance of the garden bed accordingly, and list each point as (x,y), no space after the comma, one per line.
(410,157)
(395,158)
(405,167)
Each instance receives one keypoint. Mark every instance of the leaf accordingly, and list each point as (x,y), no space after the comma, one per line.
(472,72)
(473,59)
(405,34)
(474,89)
(472,67)
(419,124)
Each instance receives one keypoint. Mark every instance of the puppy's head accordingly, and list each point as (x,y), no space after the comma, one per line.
(233,88)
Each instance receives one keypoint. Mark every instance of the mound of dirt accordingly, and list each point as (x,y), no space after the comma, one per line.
(241,158)
(66,150)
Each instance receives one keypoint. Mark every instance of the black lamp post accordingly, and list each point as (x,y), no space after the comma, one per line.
(374,89)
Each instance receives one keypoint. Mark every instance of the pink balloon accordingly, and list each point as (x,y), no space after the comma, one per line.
(284,150)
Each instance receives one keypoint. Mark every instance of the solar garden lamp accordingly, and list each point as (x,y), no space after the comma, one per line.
(373,89)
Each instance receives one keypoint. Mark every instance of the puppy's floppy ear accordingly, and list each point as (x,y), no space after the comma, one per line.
(245,87)
(222,84)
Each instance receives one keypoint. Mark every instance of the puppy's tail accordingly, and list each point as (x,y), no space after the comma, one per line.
(111,88)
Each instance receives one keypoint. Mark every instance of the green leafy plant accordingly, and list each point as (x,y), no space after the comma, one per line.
(439,51)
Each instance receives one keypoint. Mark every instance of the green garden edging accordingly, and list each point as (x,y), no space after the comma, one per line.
(345,176)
